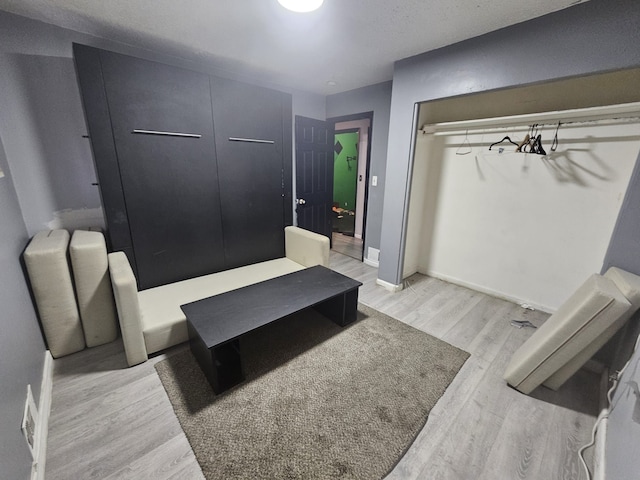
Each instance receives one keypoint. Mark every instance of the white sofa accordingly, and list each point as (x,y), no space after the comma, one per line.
(151,320)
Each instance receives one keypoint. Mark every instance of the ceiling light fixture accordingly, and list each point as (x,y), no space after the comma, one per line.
(301,6)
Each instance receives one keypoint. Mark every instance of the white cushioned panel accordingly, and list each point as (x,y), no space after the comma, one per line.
(629,285)
(88,252)
(163,322)
(593,308)
(125,293)
(305,247)
(46,261)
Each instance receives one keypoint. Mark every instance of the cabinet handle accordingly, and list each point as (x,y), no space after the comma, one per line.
(250,140)
(168,134)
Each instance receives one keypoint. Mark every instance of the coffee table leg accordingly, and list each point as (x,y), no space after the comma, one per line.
(341,309)
(228,365)
(220,364)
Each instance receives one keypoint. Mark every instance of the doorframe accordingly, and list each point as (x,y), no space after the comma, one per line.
(349,118)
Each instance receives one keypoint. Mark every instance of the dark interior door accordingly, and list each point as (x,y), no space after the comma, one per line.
(163,134)
(314,174)
(249,122)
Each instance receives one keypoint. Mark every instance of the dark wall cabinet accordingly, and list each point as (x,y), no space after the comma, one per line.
(194,171)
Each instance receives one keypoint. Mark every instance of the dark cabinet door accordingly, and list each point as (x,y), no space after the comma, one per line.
(163,134)
(250,144)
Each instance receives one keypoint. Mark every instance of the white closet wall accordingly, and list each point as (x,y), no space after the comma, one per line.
(524,227)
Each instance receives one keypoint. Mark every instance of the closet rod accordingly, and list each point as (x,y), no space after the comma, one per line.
(592,114)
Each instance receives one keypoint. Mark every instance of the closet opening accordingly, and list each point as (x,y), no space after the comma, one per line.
(528,219)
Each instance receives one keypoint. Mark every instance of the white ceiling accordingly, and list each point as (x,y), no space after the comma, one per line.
(351,42)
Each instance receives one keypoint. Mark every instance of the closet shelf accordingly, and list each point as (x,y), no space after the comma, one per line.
(623,110)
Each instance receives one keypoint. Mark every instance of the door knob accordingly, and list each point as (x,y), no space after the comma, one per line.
(300,201)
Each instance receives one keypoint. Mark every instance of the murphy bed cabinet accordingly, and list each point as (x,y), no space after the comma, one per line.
(194,171)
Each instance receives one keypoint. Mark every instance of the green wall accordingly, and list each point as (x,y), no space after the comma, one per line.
(345,174)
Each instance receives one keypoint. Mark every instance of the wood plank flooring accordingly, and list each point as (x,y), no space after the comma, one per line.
(113,422)
(347,245)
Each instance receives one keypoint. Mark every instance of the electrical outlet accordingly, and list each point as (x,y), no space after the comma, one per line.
(30,421)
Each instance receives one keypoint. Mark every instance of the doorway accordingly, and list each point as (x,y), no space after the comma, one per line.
(352,140)
(318,153)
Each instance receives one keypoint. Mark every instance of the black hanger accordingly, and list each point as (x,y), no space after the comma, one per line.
(537,146)
(505,138)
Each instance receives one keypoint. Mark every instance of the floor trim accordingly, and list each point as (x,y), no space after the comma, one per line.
(44,409)
(371,263)
(489,291)
(389,286)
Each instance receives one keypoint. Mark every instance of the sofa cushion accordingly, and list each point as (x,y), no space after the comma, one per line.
(629,285)
(46,260)
(88,252)
(578,322)
(164,324)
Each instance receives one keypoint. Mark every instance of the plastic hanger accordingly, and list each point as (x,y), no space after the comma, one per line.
(505,138)
(524,143)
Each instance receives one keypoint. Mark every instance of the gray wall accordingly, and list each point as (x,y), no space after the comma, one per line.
(592,37)
(21,345)
(42,121)
(623,433)
(624,247)
(376,99)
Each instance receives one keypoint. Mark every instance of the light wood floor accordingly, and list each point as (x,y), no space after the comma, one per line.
(113,422)
(346,245)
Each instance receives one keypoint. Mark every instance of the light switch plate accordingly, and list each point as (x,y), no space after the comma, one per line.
(374,181)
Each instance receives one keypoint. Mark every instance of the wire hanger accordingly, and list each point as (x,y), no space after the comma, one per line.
(505,138)
(554,144)
(465,146)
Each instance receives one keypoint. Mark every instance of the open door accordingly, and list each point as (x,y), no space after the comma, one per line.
(314,174)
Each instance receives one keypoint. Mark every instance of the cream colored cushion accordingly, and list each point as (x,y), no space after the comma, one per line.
(46,261)
(595,306)
(125,293)
(163,322)
(629,285)
(88,252)
(305,247)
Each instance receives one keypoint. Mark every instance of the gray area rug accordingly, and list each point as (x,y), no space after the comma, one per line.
(319,401)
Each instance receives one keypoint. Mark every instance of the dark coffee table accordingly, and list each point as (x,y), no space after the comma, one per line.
(216,323)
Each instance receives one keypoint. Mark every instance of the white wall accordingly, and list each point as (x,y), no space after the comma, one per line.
(521,226)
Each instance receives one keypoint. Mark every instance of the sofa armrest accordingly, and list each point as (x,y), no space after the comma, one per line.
(305,247)
(125,292)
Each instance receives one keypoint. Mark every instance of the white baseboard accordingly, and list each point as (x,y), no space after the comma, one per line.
(599,451)
(389,286)
(44,409)
(371,263)
(488,291)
